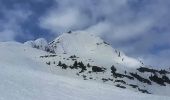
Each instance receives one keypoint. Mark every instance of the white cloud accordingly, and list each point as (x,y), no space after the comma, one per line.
(132,30)
(121,32)
(69,19)
(100,28)
(78,14)
(10,26)
(110,18)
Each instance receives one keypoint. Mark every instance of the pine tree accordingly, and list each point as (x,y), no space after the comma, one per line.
(64,66)
(82,66)
(113,69)
(75,64)
(125,72)
(88,65)
(69,32)
(119,54)
(59,63)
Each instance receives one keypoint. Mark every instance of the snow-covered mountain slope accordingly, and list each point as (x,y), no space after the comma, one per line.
(85,56)
(143,79)
(87,45)
(24,77)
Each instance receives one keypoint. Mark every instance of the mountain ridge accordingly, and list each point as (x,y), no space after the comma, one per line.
(31,72)
(86,56)
(85,44)
(24,76)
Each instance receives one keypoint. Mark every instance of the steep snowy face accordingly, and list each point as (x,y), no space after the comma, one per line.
(80,43)
(90,46)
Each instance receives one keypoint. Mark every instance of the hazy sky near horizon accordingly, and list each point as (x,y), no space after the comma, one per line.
(140,28)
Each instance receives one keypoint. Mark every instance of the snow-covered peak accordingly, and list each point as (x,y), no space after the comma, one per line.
(40,43)
(88,45)
(78,43)
(85,45)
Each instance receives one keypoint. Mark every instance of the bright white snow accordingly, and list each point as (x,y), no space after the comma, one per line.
(23,77)
(83,44)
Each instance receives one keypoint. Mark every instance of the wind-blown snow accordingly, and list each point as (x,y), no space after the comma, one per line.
(23,77)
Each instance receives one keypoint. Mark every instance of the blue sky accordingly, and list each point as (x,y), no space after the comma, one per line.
(140,28)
